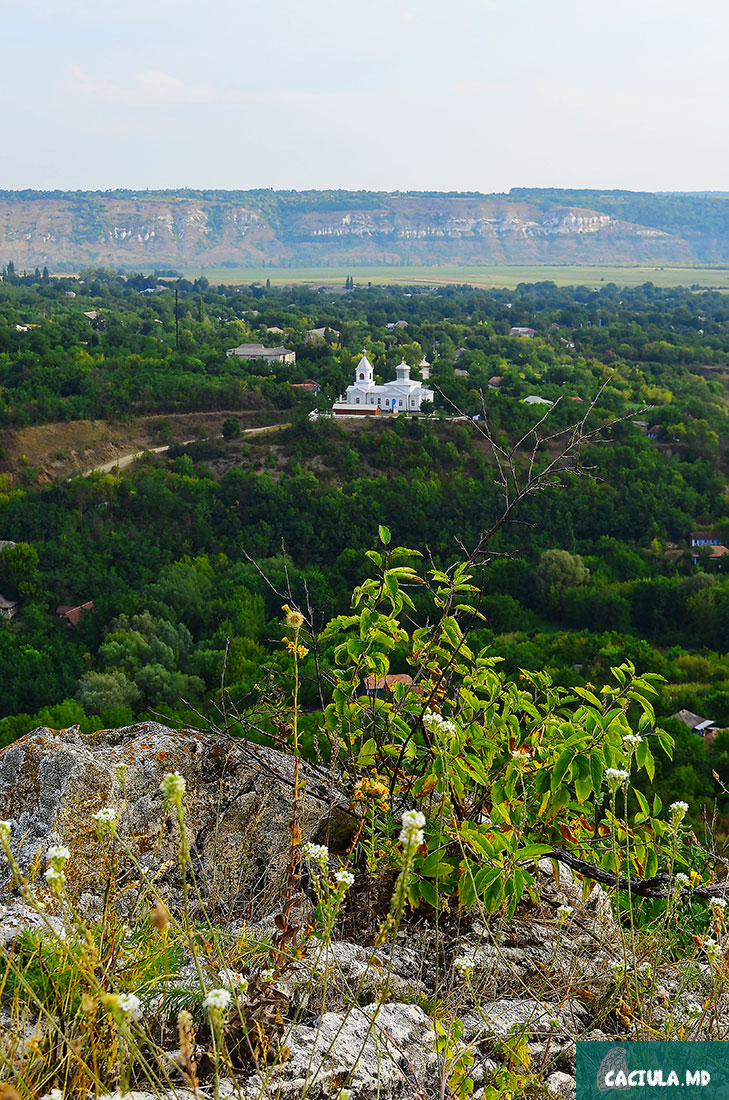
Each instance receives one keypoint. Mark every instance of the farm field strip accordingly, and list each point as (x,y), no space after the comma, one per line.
(483,276)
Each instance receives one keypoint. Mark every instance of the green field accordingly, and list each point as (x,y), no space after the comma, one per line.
(482,275)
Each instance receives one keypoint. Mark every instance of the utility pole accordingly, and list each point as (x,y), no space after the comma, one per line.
(177,319)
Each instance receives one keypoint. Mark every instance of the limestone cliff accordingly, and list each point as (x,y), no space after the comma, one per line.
(69,230)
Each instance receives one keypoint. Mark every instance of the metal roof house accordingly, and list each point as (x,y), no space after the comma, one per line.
(695,722)
(258,351)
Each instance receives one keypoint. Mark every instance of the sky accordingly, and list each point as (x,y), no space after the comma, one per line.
(463,95)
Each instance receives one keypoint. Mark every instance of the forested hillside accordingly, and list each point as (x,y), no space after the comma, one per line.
(188,555)
(67,230)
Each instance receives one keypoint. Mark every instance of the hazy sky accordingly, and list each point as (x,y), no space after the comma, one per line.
(478,95)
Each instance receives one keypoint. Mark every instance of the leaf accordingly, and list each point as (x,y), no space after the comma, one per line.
(384,534)
(583,788)
(567,833)
(429,892)
(532,851)
(642,802)
(430,864)
(466,888)
(651,863)
(596,770)
(368,753)
(665,741)
(563,762)
(657,806)
(650,765)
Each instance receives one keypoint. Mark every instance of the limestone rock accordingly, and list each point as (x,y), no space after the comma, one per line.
(515,954)
(238,810)
(562,1085)
(17,917)
(385,1054)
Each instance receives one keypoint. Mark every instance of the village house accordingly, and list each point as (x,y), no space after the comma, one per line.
(534,399)
(424,367)
(258,351)
(309,386)
(8,608)
(319,335)
(374,686)
(364,397)
(518,330)
(705,538)
(701,726)
(73,615)
(711,554)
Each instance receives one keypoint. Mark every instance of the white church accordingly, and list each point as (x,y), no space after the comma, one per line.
(364,397)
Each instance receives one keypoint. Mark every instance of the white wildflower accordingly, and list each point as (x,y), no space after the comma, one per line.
(316,853)
(616,778)
(553,1021)
(564,912)
(618,968)
(680,880)
(173,787)
(53,875)
(413,819)
(717,904)
(694,1010)
(439,725)
(464,964)
(105,817)
(5,830)
(645,969)
(712,950)
(520,758)
(678,811)
(58,854)
(632,740)
(411,833)
(54,1094)
(345,879)
(217,1000)
(130,1005)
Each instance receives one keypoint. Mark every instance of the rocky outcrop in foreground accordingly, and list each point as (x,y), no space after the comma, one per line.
(345,1019)
(238,809)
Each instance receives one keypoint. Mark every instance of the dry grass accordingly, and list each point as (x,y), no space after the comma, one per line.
(61,449)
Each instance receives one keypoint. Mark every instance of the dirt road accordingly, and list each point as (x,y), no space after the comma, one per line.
(123,461)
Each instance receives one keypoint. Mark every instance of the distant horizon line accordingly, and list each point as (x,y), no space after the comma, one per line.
(513,192)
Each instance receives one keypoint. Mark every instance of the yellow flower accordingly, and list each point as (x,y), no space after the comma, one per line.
(294,619)
(376,788)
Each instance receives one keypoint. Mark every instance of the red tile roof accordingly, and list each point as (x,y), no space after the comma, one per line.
(72,615)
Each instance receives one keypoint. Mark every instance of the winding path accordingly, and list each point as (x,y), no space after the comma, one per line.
(123,461)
